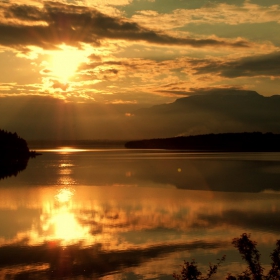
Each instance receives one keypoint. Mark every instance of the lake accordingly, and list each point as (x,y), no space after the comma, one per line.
(135,214)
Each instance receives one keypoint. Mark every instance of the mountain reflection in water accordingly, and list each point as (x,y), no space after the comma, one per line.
(126,215)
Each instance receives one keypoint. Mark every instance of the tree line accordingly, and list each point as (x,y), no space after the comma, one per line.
(12,146)
(14,154)
(235,142)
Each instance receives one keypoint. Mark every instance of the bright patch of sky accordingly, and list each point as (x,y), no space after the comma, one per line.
(108,51)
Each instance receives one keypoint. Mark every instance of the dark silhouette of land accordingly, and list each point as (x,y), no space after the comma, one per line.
(14,154)
(224,142)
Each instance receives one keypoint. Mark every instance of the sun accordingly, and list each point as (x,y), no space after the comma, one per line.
(64,62)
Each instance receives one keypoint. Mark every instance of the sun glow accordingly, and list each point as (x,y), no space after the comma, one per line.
(65,62)
(64,195)
(66,226)
(61,222)
(63,150)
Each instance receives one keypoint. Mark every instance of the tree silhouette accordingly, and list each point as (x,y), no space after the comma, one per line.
(14,154)
(234,142)
(249,252)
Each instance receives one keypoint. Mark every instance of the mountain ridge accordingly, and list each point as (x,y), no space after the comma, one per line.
(212,113)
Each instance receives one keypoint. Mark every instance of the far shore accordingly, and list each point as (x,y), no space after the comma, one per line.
(224,142)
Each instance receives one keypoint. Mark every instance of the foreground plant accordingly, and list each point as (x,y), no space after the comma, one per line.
(190,271)
(249,252)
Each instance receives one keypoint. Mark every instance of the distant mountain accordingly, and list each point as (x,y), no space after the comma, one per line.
(215,111)
(204,112)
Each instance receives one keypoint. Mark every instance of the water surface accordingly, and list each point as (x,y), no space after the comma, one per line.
(135,214)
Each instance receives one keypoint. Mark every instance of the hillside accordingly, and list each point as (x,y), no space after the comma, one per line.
(211,112)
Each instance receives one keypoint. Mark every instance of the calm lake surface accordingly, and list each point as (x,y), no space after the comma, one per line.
(135,214)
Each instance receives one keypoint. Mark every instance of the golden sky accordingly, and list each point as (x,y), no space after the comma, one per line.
(136,52)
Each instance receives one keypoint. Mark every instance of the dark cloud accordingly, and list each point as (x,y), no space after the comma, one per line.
(174,92)
(46,71)
(106,69)
(58,85)
(172,89)
(221,91)
(24,12)
(76,24)
(94,57)
(261,65)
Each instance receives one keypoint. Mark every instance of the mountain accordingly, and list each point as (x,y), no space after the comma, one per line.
(211,112)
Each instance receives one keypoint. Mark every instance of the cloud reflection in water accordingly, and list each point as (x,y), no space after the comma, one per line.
(119,215)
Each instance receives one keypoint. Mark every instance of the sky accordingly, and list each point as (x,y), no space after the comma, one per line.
(132,53)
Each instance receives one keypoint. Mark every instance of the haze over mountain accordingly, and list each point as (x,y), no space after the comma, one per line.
(212,111)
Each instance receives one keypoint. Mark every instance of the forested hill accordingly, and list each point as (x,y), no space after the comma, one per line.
(13,147)
(235,142)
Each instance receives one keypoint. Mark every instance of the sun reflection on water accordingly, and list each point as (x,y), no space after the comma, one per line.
(63,150)
(65,171)
(60,222)
(66,227)
(64,195)
(68,150)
